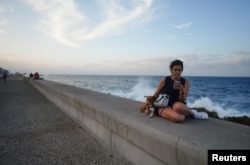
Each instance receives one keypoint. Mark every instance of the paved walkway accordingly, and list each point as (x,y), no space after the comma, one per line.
(35,131)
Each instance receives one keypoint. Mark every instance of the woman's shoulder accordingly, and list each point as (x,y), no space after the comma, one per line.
(164,79)
(184,80)
(167,78)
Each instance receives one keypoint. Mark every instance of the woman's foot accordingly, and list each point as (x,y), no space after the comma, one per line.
(199,115)
(145,108)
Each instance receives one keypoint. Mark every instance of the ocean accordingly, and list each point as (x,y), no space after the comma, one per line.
(228,96)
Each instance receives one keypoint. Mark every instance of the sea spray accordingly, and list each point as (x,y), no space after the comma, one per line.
(226,96)
(142,88)
(208,104)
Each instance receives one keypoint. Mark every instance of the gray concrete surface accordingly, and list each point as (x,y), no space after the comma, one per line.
(34,131)
(117,123)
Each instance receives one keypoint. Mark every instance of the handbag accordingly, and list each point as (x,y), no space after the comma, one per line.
(161,101)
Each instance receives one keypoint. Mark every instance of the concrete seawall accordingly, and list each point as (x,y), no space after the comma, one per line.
(118,125)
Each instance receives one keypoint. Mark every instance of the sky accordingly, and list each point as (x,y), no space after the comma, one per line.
(132,37)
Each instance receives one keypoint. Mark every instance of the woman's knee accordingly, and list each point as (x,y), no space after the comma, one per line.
(178,106)
(173,116)
(179,118)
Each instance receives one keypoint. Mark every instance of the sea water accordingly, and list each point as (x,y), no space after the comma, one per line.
(229,96)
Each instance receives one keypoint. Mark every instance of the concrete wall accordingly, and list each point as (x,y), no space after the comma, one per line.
(118,125)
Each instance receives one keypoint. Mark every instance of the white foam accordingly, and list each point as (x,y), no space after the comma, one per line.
(137,92)
(207,103)
(141,89)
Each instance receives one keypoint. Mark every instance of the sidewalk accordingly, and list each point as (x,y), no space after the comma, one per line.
(35,131)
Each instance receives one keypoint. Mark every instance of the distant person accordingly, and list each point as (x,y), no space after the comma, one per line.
(176,88)
(5,75)
(36,76)
(31,76)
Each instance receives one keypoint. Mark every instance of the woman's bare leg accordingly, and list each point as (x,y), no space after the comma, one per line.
(182,109)
(171,115)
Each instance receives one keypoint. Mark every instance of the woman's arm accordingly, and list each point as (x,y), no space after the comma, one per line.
(184,91)
(157,92)
(159,88)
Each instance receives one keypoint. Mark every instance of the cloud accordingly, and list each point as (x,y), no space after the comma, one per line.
(118,17)
(4,8)
(171,36)
(233,64)
(147,66)
(3,23)
(65,22)
(183,26)
(241,53)
(60,20)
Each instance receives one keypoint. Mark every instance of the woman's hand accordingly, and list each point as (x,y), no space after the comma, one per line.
(182,96)
(178,86)
(181,89)
(184,91)
(151,99)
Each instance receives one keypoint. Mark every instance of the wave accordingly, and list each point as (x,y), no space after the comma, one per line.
(143,88)
(138,91)
(147,86)
(207,103)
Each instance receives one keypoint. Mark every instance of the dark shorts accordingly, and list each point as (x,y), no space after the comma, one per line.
(184,102)
(157,111)
(172,103)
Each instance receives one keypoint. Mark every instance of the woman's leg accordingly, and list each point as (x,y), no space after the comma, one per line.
(171,115)
(182,109)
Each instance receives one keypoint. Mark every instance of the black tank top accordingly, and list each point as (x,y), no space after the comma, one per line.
(170,91)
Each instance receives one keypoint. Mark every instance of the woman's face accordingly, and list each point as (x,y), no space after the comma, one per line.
(176,71)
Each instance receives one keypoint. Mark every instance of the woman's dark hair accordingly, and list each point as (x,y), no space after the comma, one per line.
(176,62)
